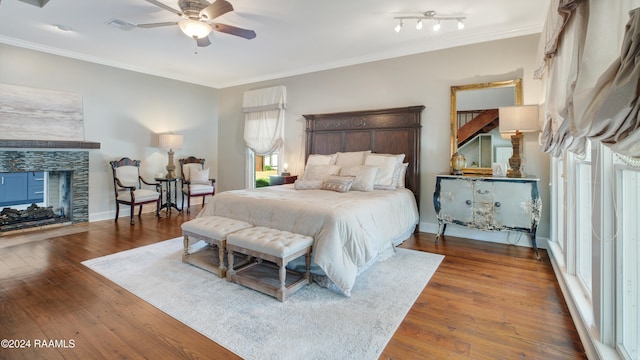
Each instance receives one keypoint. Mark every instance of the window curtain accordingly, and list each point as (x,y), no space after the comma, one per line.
(264,119)
(591,70)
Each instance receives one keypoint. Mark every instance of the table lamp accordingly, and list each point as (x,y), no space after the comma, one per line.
(517,119)
(285,170)
(171,142)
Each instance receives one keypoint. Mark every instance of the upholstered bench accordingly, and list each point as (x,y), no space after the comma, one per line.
(214,231)
(275,246)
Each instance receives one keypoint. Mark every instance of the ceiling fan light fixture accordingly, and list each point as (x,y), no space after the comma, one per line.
(194,28)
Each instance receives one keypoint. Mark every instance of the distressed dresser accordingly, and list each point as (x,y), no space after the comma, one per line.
(488,203)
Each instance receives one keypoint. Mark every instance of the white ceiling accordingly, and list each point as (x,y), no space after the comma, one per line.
(293,36)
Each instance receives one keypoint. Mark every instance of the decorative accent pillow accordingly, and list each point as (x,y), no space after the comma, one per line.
(317,159)
(338,183)
(307,184)
(200,177)
(387,178)
(351,158)
(364,176)
(402,175)
(320,172)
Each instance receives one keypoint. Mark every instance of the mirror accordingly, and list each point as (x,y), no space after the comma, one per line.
(474,123)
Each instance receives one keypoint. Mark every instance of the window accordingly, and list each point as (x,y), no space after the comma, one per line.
(597,252)
(628,314)
(265,166)
(584,230)
(263,132)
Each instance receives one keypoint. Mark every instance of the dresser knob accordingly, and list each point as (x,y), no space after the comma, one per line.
(497,204)
(468,202)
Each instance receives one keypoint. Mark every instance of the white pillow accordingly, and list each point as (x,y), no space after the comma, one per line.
(402,174)
(317,159)
(200,177)
(307,184)
(351,158)
(338,183)
(365,176)
(320,172)
(387,178)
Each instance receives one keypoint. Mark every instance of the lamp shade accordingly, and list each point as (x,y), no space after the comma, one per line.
(518,118)
(170,141)
(194,28)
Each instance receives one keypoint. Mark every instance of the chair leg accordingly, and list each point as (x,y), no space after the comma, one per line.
(140,211)
(158,208)
(117,211)
(132,212)
(188,204)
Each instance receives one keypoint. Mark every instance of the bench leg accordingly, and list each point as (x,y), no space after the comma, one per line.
(222,269)
(307,260)
(185,253)
(283,277)
(230,272)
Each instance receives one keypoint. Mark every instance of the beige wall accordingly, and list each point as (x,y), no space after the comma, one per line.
(124,111)
(422,79)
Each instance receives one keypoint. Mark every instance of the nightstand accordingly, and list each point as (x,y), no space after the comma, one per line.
(281,180)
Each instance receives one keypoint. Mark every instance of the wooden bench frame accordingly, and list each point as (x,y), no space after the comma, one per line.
(263,282)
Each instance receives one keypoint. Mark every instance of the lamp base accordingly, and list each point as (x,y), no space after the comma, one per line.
(515,161)
(171,168)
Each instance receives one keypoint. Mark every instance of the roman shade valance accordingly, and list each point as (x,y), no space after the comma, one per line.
(264,119)
(591,77)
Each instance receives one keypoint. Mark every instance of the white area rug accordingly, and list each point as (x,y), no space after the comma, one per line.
(314,323)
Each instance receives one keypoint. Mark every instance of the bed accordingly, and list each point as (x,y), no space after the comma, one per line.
(352,229)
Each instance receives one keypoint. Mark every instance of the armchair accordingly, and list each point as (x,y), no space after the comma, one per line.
(195,180)
(127,184)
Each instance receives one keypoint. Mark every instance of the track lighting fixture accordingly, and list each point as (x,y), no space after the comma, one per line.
(430,15)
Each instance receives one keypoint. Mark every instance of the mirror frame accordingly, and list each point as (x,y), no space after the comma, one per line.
(516,83)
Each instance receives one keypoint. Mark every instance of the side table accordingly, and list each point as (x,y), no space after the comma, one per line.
(169,200)
(280,180)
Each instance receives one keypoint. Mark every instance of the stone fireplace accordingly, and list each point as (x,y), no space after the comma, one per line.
(68,174)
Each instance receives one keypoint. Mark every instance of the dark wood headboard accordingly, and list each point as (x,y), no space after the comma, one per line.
(385,131)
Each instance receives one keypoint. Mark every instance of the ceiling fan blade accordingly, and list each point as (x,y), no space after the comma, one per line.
(153,25)
(232,30)
(161,5)
(217,8)
(203,42)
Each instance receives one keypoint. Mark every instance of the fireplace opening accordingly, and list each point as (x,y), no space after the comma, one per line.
(35,199)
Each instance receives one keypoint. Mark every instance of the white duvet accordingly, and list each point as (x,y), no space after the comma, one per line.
(349,229)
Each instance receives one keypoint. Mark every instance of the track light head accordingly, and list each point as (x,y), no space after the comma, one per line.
(398,27)
(436,27)
(419,24)
(460,24)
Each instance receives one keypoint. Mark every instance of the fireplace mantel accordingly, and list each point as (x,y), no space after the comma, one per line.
(48,144)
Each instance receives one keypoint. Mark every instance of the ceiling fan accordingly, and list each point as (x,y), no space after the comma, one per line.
(197,16)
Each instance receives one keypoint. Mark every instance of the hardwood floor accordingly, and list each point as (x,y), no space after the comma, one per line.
(486,301)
